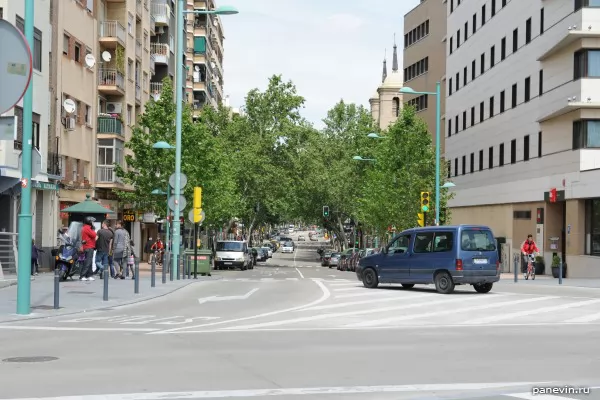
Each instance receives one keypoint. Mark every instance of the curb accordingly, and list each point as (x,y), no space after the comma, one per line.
(7,283)
(104,307)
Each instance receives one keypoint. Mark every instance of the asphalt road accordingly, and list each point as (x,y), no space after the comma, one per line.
(290,329)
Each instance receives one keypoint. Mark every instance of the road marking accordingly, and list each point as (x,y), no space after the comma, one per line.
(354,288)
(354,303)
(291,279)
(340,284)
(138,320)
(530,396)
(207,394)
(451,311)
(243,279)
(325,295)
(74,328)
(585,318)
(267,279)
(376,294)
(345,314)
(300,273)
(227,298)
(530,312)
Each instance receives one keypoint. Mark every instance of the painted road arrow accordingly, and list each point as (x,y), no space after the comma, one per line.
(226,298)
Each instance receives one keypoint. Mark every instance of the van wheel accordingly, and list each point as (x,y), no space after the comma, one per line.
(444,283)
(483,287)
(370,279)
(408,285)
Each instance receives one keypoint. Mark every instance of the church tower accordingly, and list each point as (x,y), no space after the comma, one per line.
(390,100)
(374,100)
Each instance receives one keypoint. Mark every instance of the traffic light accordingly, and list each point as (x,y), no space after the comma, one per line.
(424,202)
(326,211)
(198,197)
(421,219)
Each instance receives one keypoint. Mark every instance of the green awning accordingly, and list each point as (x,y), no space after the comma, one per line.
(199,45)
(88,206)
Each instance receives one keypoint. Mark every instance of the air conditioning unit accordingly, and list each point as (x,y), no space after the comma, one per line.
(114,108)
(160,30)
(70,123)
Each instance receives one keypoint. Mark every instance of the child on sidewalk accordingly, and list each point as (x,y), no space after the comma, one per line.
(131,261)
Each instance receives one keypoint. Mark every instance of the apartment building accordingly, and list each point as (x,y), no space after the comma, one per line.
(204,56)
(523,124)
(424,60)
(44,193)
(162,44)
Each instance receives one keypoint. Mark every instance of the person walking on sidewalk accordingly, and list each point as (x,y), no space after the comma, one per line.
(103,245)
(148,248)
(35,255)
(121,249)
(131,261)
(88,240)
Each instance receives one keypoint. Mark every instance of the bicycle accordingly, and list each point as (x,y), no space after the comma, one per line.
(157,256)
(530,267)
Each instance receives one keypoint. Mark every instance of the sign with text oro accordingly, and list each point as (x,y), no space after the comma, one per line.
(128,216)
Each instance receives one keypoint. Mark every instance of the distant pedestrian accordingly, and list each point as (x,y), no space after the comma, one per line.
(88,240)
(103,246)
(121,249)
(131,261)
(35,254)
(148,248)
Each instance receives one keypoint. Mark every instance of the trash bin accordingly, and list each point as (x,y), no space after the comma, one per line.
(203,261)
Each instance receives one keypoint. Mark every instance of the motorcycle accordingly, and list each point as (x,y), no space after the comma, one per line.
(68,258)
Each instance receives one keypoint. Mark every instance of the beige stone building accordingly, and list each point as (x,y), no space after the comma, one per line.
(424,60)
(386,102)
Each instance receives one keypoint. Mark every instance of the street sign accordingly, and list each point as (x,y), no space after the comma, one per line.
(199,216)
(16,65)
(182,203)
(183,180)
(36,162)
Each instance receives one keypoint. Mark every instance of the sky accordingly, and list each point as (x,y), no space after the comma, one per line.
(330,49)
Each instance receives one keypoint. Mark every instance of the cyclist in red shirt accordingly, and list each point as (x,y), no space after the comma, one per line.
(88,241)
(158,248)
(527,248)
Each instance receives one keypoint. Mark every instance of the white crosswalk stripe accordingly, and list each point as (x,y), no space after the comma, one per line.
(531,396)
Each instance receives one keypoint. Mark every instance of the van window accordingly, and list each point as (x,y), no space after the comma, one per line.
(477,240)
(443,241)
(423,242)
(230,246)
(400,245)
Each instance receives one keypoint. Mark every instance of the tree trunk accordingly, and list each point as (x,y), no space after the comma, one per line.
(250,228)
(342,234)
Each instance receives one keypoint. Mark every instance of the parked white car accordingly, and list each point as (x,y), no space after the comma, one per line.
(287,247)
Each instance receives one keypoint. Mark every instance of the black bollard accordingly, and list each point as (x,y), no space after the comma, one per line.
(189,268)
(153,273)
(164,267)
(178,268)
(136,276)
(171,277)
(57,272)
(105,277)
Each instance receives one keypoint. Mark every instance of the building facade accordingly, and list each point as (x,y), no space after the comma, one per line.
(424,61)
(44,194)
(523,124)
(386,103)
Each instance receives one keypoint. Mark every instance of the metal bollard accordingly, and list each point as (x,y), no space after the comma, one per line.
(178,268)
(153,273)
(516,267)
(184,269)
(171,277)
(136,276)
(560,272)
(105,277)
(189,268)
(164,267)
(57,272)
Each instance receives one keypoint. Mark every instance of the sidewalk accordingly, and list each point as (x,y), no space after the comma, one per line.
(77,297)
(548,280)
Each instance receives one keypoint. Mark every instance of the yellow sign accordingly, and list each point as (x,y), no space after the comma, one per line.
(128,216)
(197,197)
(198,215)
(421,219)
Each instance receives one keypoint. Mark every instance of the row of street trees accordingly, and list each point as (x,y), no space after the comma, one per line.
(269,165)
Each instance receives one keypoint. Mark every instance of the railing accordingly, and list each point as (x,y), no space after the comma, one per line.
(106,174)
(109,125)
(160,11)
(8,253)
(138,7)
(152,63)
(111,77)
(138,49)
(138,92)
(53,164)
(152,23)
(156,88)
(160,49)
(113,29)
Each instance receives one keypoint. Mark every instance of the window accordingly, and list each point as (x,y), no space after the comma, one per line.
(1,13)
(130,24)
(464,120)
(502,100)
(474,23)
(522,214)
(542,21)
(443,241)
(491,106)
(592,227)
(423,243)
(514,95)
(419,68)
(414,35)
(456,167)
(482,66)
(481,160)
(501,155)
(400,245)
(472,163)
(419,103)
(473,68)
(513,151)
(586,64)
(110,152)
(586,134)
(457,81)
(493,7)
(515,40)
(477,240)
(492,56)
(527,89)
(451,5)
(449,127)
(466,31)
(491,157)
(36,53)
(472,116)
(503,3)
(585,3)
(88,115)
(541,82)
(77,56)
(451,45)
(481,111)
(465,76)
(66,40)
(458,38)
(146,40)
(130,71)
(450,86)
(456,124)
(483,15)
(35,135)
(539,144)
(526,148)
(503,49)
(464,165)
(528,31)
(129,115)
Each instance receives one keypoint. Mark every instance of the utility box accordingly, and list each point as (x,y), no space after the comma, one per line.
(200,263)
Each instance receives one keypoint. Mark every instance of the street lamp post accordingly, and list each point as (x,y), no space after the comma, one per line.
(438,116)
(179,73)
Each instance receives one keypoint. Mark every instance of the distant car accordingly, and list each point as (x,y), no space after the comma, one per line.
(334,260)
(287,247)
(314,238)
(269,251)
(301,238)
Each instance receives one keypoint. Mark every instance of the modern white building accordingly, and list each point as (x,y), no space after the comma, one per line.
(44,196)
(523,122)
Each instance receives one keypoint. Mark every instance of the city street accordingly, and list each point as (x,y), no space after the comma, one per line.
(293,329)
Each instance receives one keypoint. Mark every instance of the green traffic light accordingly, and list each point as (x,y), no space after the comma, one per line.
(425,208)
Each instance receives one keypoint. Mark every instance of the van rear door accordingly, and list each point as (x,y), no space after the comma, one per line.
(478,251)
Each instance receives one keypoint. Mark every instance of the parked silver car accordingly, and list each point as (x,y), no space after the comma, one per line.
(334,260)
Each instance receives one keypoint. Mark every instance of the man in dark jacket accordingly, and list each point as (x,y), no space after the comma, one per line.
(103,246)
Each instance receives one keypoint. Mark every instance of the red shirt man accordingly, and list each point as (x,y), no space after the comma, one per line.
(89,236)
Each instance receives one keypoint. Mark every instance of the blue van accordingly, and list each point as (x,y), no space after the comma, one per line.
(443,255)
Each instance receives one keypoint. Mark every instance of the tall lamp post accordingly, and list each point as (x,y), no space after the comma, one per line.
(179,77)
(438,116)
(164,146)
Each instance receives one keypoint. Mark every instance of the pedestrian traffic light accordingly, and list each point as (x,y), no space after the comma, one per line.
(326,211)
(198,197)
(424,201)
(421,219)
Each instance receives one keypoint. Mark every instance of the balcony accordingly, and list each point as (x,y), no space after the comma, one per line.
(160,51)
(112,33)
(161,13)
(156,89)
(111,81)
(109,126)
(138,93)
(138,49)
(106,175)
(138,9)
(152,25)
(199,86)
(152,64)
